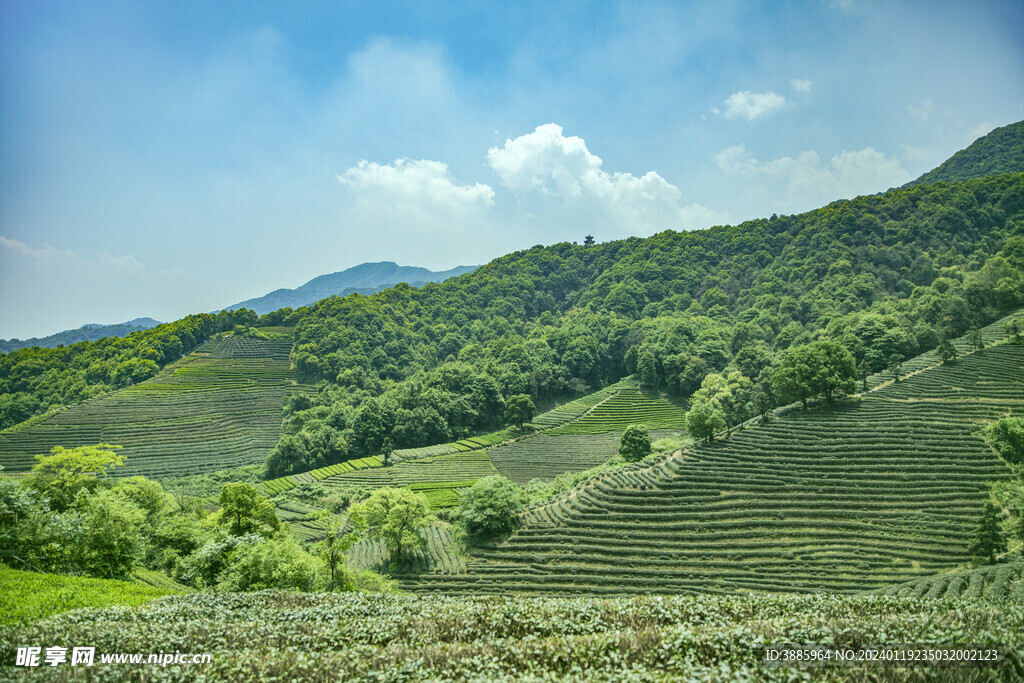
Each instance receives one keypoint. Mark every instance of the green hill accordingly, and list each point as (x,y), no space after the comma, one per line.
(1001,151)
(216,408)
(854,496)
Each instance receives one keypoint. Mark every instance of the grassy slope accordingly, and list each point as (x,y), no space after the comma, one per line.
(27,597)
(852,497)
(217,408)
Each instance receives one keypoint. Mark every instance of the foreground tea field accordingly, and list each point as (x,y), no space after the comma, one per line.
(217,408)
(273,636)
(854,497)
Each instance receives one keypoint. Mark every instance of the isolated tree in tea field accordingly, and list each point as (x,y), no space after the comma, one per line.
(396,516)
(386,449)
(519,409)
(1013,329)
(838,368)
(975,339)
(635,443)
(244,510)
(488,507)
(946,349)
(989,539)
(704,421)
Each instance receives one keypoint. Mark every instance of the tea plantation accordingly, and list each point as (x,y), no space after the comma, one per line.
(218,408)
(852,497)
(274,636)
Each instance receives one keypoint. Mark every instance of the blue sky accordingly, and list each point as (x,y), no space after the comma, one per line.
(164,158)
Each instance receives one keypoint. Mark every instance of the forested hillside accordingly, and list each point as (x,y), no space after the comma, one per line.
(888,276)
(1001,151)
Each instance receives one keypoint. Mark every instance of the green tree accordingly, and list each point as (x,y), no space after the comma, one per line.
(488,507)
(975,339)
(244,510)
(946,349)
(988,539)
(65,471)
(798,374)
(704,420)
(1012,330)
(1007,435)
(635,443)
(647,368)
(110,544)
(519,409)
(838,369)
(386,449)
(396,516)
(278,562)
(332,551)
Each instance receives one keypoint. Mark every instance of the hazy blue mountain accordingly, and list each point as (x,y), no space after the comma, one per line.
(90,332)
(366,278)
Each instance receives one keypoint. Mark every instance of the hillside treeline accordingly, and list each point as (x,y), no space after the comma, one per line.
(34,379)
(887,276)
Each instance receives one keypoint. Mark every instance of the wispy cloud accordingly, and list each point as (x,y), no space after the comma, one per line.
(751,105)
(806,181)
(800,85)
(922,109)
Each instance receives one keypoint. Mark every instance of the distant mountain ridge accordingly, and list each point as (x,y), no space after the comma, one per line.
(366,278)
(1001,151)
(88,332)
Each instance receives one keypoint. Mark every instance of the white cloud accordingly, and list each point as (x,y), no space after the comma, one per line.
(800,85)
(553,165)
(417,181)
(922,109)
(751,105)
(806,182)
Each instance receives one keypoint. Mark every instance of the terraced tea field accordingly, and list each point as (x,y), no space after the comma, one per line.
(625,408)
(574,409)
(853,497)
(994,583)
(217,408)
(455,469)
(547,455)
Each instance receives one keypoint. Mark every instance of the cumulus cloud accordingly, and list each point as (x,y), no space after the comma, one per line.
(558,166)
(922,109)
(417,181)
(800,85)
(806,181)
(752,105)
